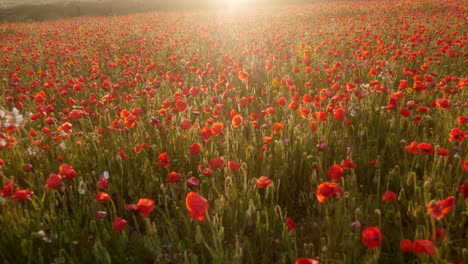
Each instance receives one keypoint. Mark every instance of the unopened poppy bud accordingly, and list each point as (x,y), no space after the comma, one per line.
(41,233)
(324,249)
(428,183)
(456,156)
(403,142)
(363,132)
(377,212)
(357,211)
(93,173)
(410,178)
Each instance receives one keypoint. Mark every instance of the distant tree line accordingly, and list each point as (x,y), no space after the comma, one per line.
(53,11)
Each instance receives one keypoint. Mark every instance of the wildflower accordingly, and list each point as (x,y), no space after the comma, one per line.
(291,224)
(306,261)
(438,209)
(164,160)
(463,189)
(175,177)
(263,182)
(216,163)
(195,148)
(145,206)
(67,171)
(8,189)
(425,148)
(406,245)
(233,166)
(388,196)
(329,189)
(21,195)
(412,148)
(102,183)
(193,182)
(102,197)
(197,206)
(424,247)
(53,181)
(119,224)
(335,172)
(371,237)
(457,135)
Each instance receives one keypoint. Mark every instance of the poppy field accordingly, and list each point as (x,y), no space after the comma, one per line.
(329,132)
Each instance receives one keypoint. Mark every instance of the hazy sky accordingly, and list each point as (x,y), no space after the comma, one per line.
(6,3)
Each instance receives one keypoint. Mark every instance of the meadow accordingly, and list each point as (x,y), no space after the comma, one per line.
(330,132)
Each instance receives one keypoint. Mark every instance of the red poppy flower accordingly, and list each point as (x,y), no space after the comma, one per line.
(457,135)
(448,204)
(67,171)
(348,164)
(263,182)
(371,237)
(233,166)
(197,206)
(443,152)
(101,214)
(242,75)
(205,133)
(412,148)
(424,247)
(388,196)
(321,146)
(464,165)
(277,127)
(339,114)
(102,197)
(53,181)
(193,182)
(186,124)
(195,148)
(438,209)
(217,129)
(216,163)
(8,189)
(406,245)
(175,177)
(164,159)
(22,194)
(405,112)
(291,224)
(237,120)
(463,189)
(102,183)
(329,189)
(307,261)
(425,148)
(145,206)
(440,234)
(462,120)
(119,224)
(335,172)
(208,172)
